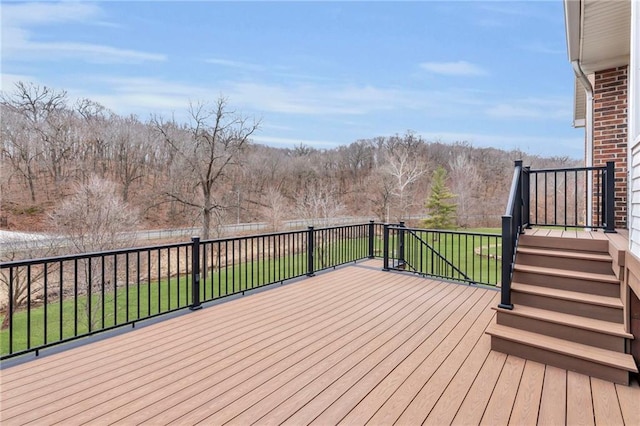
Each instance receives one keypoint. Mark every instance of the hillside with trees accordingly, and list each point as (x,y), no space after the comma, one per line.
(207,171)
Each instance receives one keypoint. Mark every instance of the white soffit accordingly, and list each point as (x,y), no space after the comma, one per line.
(605,35)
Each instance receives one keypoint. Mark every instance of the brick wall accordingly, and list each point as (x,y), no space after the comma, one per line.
(610,131)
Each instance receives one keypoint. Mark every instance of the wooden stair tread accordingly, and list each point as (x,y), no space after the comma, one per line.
(591,299)
(591,324)
(555,242)
(597,257)
(572,349)
(587,276)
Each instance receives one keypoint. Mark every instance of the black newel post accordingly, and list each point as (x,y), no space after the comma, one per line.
(507,259)
(195,274)
(310,252)
(526,198)
(371,237)
(401,263)
(385,248)
(610,197)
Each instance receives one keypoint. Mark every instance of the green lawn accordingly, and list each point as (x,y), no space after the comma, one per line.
(166,294)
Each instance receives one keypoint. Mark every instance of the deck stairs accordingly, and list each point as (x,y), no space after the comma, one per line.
(567,310)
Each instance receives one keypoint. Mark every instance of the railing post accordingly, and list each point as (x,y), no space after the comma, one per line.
(519,199)
(371,239)
(610,198)
(385,248)
(195,274)
(507,260)
(401,260)
(526,198)
(310,252)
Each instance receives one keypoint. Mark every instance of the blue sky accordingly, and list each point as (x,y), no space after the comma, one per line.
(320,73)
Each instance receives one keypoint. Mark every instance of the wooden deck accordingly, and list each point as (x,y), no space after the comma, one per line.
(353,346)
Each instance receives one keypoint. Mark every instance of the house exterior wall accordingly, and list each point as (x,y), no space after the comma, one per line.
(610,131)
(634,130)
(634,173)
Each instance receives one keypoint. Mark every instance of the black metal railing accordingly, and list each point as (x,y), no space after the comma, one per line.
(469,257)
(60,299)
(581,197)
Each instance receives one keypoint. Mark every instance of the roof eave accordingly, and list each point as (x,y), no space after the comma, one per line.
(572,21)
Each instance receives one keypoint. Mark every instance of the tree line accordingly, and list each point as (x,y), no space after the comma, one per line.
(207,171)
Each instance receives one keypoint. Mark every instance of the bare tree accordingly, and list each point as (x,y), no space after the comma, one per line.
(46,112)
(275,208)
(318,204)
(405,169)
(203,152)
(94,219)
(464,180)
(97,124)
(130,150)
(20,146)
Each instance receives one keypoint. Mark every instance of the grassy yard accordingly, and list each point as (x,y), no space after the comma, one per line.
(135,301)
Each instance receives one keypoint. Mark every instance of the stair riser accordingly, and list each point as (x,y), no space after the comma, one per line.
(580,265)
(570,284)
(604,313)
(560,360)
(555,243)
(562,331)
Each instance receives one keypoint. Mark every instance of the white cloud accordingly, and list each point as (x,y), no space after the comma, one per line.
(90,52)
(533,108)
(234,64)
(19,14)
(291,142)
(462,68)
(540,145)
(308,99)
(539,47)
(8,81)
(19,40)
(144,96)
(155,95)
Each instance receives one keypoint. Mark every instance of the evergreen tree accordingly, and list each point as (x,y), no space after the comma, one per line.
(441,211)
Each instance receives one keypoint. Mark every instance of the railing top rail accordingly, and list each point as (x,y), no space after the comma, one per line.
(514,189)
(68,257)
(568,169)
(247,237)
(445,231)
(271,234)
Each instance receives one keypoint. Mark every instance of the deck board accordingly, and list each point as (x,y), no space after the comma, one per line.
(476,400)
(356,345)
(553,402)
(628,398)
(606,408)
(579,402)
(527,404)
(498,409)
